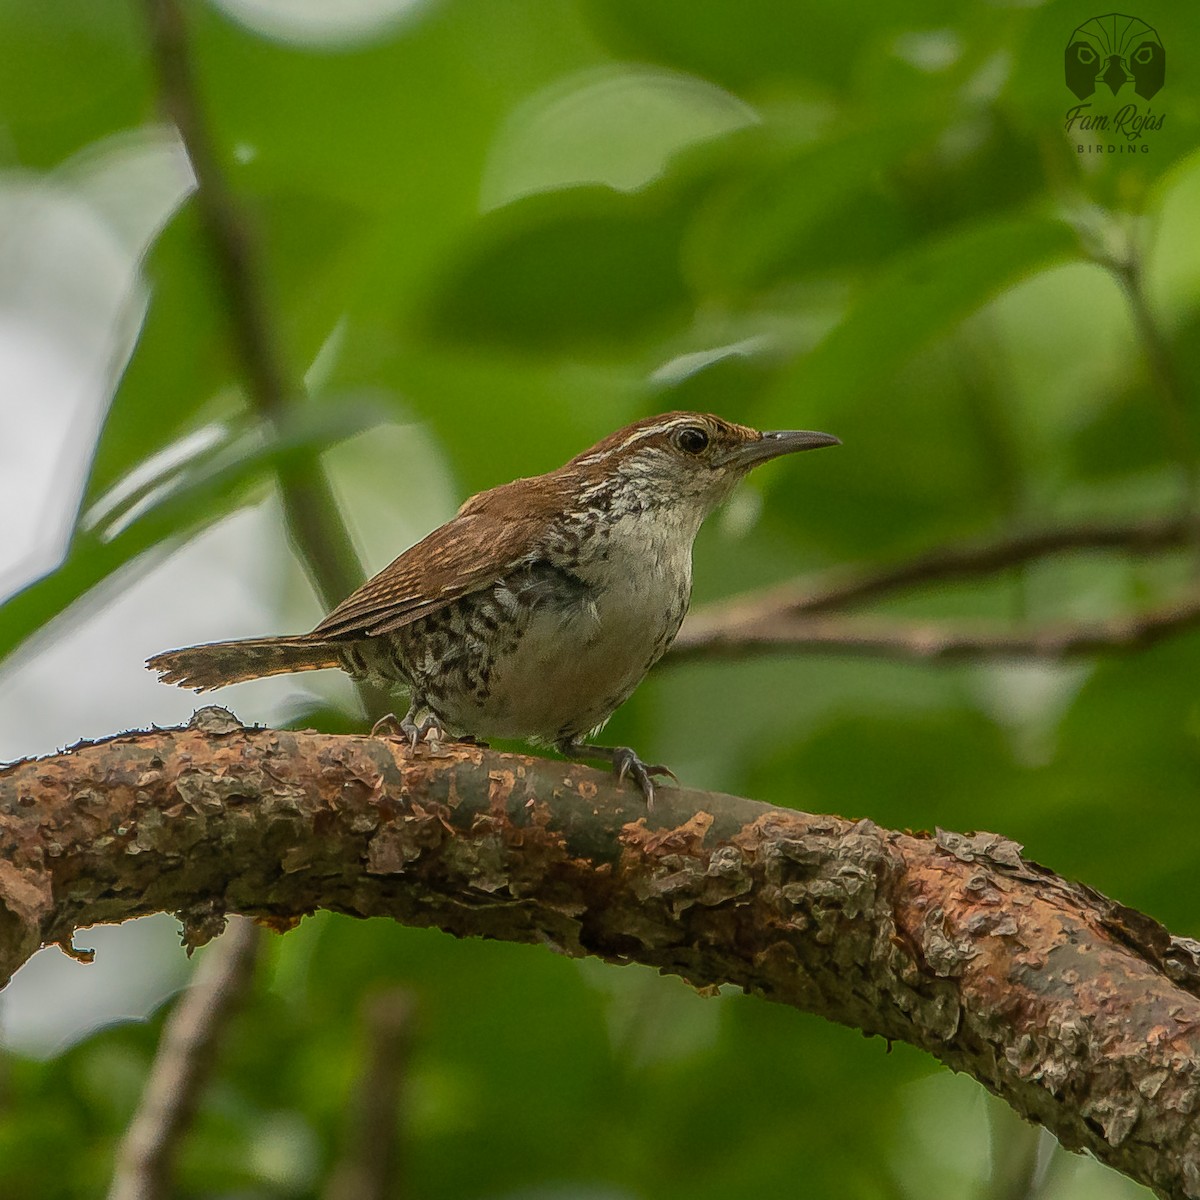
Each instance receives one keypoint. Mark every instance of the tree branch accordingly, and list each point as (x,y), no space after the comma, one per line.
(727,633)
(319,537)
(801,615)
(182,1064)
(315,526)
(1083,1015)
(969,559)
(369,1168)
(1129,270)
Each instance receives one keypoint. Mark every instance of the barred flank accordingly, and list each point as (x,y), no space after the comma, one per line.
(219,663)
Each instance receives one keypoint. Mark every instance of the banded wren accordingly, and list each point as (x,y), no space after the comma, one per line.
(537,609)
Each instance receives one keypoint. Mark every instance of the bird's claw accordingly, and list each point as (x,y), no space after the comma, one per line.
(387,726)
(626,764)
(415,731)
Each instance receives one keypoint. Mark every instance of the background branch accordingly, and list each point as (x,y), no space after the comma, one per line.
(320,538)
(182,1064)
(722,635)
(804,615)
(972,559)
(1083,1015)
(317,531)
(369,1168)
(1129,270)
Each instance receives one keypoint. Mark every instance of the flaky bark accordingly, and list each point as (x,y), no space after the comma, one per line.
(1083,1015)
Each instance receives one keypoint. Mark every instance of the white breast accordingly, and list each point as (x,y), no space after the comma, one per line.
(575,665)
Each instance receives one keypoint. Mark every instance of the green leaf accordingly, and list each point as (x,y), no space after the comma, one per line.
(182,371)
(791,214)
(196,494)
(918,296)
(73,73)
(771,40)
(173,381)
(1127,761)
(615,125)
(585,268)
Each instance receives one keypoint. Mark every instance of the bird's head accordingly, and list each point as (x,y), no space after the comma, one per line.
(689,459)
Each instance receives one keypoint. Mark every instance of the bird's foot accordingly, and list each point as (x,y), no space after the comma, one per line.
(416,731)
(406,727)
(625,764)
(387,726)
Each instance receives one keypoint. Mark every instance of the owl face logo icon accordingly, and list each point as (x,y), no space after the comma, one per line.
(1115,50)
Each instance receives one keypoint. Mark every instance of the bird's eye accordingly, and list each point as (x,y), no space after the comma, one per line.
(692,439)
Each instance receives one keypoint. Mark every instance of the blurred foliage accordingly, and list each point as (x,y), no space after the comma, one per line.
(523,224)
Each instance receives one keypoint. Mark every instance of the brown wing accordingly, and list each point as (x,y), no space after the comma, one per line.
(491,535)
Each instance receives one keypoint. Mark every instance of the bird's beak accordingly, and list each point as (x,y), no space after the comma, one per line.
(780,441)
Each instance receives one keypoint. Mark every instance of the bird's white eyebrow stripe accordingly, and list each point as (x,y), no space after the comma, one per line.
(639,436)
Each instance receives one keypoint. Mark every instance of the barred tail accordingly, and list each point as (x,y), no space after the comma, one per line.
(219,663)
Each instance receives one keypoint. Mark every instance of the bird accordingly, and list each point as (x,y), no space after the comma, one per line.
(540,606)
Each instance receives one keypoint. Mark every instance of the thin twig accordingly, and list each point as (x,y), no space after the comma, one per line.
(182,1064)
(317,531)
(370,1165)
(722,636)
(1175,405)
(844,589)
(787,616)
